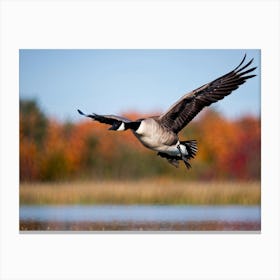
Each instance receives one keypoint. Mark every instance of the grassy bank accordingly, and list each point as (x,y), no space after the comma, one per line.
(141,192)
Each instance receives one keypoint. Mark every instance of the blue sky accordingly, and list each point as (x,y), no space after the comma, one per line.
(118,81)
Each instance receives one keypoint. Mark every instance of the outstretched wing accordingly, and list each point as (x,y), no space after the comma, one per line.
(183,111)
(107,119)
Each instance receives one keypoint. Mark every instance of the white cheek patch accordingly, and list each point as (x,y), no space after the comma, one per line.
(141,128)
(121,128)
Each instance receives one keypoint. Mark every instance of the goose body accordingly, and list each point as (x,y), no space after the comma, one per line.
(154,136)
(160,133)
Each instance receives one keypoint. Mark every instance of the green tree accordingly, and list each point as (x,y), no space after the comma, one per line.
(33,122)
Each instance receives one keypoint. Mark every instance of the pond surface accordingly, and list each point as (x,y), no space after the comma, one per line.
(140,213)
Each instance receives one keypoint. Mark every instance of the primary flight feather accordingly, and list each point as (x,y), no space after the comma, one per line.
(159,133)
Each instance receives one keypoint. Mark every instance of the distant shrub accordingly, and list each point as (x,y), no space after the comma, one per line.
(52,151)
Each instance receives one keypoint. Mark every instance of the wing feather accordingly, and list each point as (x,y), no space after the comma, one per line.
(107,119)
(187,107)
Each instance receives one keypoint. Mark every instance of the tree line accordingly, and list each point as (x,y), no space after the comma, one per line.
(56,151)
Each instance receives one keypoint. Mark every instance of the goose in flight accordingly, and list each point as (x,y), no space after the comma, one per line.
(160,133)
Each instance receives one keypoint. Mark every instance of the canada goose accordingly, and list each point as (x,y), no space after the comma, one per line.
(159,133)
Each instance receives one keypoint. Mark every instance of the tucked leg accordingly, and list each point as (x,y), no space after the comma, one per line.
(174,160)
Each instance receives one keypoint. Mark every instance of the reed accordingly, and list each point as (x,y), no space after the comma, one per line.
(141,192)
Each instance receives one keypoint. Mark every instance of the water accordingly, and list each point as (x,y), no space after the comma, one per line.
(140,213)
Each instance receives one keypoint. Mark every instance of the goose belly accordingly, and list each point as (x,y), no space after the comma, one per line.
(157,143)
(155,137)
(163,148)
(173,150)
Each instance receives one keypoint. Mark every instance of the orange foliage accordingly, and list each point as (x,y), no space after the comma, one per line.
(228,145)
(28,155)
(226,149)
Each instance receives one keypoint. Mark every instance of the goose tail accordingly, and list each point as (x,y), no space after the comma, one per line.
(191,146)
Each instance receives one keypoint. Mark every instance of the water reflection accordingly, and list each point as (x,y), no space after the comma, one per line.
(140,213)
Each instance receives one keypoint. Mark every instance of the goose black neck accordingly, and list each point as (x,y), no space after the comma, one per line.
(133,125)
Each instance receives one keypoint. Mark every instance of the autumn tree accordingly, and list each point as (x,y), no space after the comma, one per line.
(52,151)
(33,130)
